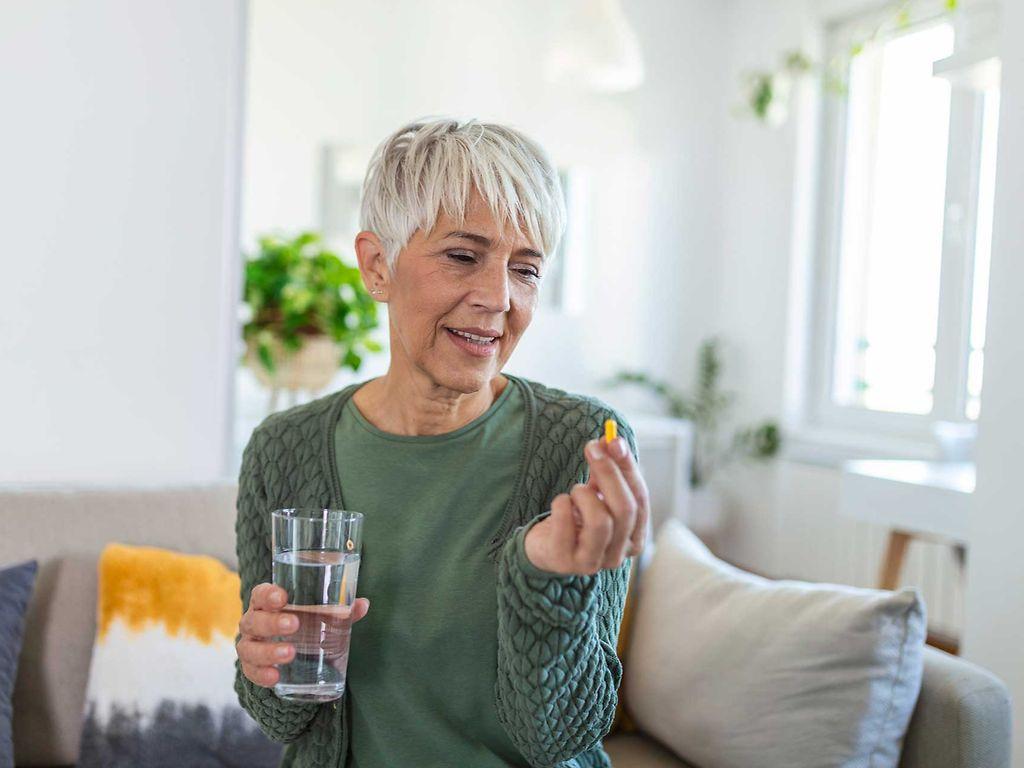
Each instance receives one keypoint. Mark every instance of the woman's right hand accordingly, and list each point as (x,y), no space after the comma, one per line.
(265,620)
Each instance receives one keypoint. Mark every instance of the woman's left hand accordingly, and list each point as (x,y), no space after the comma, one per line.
(598,524)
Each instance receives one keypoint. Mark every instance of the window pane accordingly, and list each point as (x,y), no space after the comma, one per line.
(982,251)
(892,214)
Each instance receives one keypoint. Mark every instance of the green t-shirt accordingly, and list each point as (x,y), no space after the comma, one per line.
(423,662)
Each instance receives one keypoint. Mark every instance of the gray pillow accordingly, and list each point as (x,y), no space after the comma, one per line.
(732,670)
(15,590)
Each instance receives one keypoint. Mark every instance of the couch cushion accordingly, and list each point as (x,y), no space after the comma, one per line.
(15,590)
(161,681)
(634,750)
(736,671)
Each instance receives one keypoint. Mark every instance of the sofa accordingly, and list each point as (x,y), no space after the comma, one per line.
(961,720)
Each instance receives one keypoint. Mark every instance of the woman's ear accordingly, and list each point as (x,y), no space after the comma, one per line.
(373,264)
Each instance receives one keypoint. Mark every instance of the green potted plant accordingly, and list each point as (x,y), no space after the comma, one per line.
(308,314)
(706,407)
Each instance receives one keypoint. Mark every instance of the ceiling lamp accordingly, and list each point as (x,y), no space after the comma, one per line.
(594,47)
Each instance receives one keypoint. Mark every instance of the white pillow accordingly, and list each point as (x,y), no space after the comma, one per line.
(732,670)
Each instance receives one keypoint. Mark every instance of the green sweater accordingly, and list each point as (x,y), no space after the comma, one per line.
(557,669)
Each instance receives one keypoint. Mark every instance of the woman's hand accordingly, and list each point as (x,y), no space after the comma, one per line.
(599,523)
(264,620)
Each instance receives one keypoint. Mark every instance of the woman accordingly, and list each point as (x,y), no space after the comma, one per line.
(498,528)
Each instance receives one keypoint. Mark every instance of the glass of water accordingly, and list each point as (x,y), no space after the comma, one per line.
(316,561)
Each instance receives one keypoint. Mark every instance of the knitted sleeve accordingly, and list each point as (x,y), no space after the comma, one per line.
(558,672)
(280,719)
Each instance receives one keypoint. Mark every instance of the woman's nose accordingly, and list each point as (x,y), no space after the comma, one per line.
(491,290)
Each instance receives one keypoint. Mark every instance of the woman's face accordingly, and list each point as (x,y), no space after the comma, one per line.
(459,280)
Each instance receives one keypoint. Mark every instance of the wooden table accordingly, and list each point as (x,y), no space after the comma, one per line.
(926,500)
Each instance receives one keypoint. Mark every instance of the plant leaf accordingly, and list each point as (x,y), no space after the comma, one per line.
(263,351)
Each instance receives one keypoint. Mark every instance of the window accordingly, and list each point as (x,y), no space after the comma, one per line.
(908,171)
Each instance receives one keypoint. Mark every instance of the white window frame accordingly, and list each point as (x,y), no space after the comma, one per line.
(905,434)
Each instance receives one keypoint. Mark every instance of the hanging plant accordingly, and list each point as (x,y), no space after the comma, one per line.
(765,93)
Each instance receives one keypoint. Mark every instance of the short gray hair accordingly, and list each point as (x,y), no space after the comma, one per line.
(433,163)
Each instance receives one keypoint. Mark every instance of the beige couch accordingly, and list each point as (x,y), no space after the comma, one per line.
(961,720)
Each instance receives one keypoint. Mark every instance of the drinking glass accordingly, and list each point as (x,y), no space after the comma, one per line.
(316,560)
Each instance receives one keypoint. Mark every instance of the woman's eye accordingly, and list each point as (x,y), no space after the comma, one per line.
(467,258)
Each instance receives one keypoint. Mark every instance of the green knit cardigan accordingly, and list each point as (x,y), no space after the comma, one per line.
(557,669)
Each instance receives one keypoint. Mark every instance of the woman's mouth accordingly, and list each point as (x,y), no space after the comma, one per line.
(474,344)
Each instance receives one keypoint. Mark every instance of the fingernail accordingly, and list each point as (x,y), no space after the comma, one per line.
(594,449)
(618,447)
(285,622)
(275,598)
(281,652)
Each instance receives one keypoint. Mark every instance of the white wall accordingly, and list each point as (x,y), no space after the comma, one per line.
(119,147)
(753,295)
(995,594)
(349,72)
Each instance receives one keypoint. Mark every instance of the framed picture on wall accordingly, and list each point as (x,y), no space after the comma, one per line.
(562,288)
(342,167)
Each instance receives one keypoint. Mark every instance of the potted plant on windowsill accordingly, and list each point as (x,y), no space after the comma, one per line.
(307,314)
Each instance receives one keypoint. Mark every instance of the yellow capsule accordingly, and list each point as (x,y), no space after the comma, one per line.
(611,430)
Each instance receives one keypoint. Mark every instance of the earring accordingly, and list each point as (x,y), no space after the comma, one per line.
(375,291)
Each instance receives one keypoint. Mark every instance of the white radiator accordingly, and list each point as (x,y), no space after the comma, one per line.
(930,567)
(783,520)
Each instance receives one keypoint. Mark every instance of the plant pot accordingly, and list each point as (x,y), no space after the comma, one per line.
(311,367)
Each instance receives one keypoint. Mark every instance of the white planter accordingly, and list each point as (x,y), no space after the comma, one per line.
(310,368)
